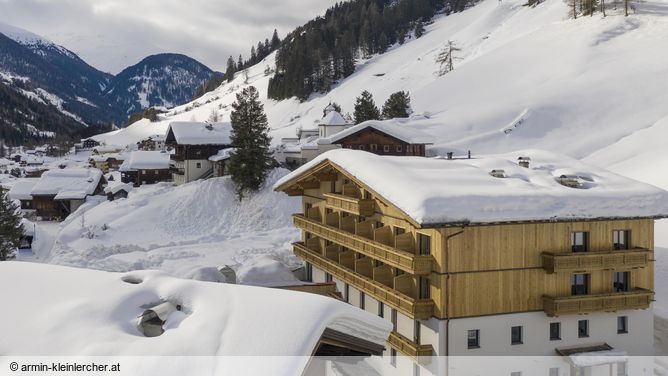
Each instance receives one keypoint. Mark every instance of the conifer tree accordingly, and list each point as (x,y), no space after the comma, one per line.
(446,58)
(11,229)
(251,161)
(3,151)
(365,108)
(240,63)
(229,73)
(398,105)
(275,40)
(419,29)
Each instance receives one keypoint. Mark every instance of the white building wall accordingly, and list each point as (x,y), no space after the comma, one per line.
(371,305)
(405,326)
(318,275)
(495,333)
(193,172)
(353,296)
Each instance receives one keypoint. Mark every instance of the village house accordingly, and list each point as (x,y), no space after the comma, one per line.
(21,190)
(118,191)
(152,143)
(107,162)
(220,162)
(466,262)
(87,144)
(194,143)
(389,137)
(146,167)
(58,193)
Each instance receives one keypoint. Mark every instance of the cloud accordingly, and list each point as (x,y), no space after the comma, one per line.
(112,34)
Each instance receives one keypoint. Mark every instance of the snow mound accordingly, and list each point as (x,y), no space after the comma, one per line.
(266,271)
(76,312)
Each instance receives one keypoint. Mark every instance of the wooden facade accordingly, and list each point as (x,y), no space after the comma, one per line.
(146,176)
(462,271)
(377,142)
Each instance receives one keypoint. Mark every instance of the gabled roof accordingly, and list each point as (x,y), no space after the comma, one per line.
(393,128)
(195,133)
(22,188)
(222,155)
(146,160)
(69,183)
(436,191)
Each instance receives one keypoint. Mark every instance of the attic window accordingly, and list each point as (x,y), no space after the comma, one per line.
(571,181)
(498,173)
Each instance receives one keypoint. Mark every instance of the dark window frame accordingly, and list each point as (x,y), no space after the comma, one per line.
(622,325)
(516,335)
(583,328)
(575,246)
(473,342)
(556,337)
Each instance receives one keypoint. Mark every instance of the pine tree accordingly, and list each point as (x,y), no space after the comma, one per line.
(3,151)
(229,73)
(365,108)
(253,56)
(398,105)
(419,29)
(251,161)
(275,40)
(240,63)
(11,229)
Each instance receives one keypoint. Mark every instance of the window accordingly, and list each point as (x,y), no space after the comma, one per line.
(555,331)
(409,148)
(156,172)
(474,339)
(143,172)
(399,148)
(394,319)
(381,309)
(346,292)
(361,147)
(361,300)
(580,284)
(620,239)
(386,148)
(424,288)
(424,244)
(399,230)
(416,331)
(622,324)
(583,328)
(579,241)
(554,371)
(199,165)
(621,281)
(328,277)
(516,335)
(373,147)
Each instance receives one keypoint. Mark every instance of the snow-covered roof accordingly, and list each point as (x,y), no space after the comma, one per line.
(22,188)
(595,358)
(226,320)
(195,133)
(333,118)
(222,155)
(395,128)
(108,149)
(146,160)
(69,183)
(113,189)
(439,191)
(5,162)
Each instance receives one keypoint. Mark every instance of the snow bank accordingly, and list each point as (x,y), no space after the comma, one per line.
(91,313)
(179,228)
(436,190)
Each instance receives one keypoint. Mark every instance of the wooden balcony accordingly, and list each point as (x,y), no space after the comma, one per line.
(609,302)
(408,262)
(352,205)
(590,261)
(408,347)
(422,309)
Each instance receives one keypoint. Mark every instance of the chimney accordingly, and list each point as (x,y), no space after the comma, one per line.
(450,154)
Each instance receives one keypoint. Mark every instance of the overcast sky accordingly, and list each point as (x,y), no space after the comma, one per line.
(112,34)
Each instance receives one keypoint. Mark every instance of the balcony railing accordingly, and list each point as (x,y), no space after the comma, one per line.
(589,261)
(178,157)
(422,309)
(413,264)
(609,302)
(352,205)
(408,347)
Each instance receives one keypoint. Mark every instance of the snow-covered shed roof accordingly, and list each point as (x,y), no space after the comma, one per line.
(222,155)
(437,191)
(196,133)
(333,118)
(227,321)
(146,160)
(22,188)
(394,128)
(67,184)
(113,189)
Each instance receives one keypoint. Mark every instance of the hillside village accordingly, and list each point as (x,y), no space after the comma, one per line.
(451,222)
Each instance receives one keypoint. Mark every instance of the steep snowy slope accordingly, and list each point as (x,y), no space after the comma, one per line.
(526,76)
